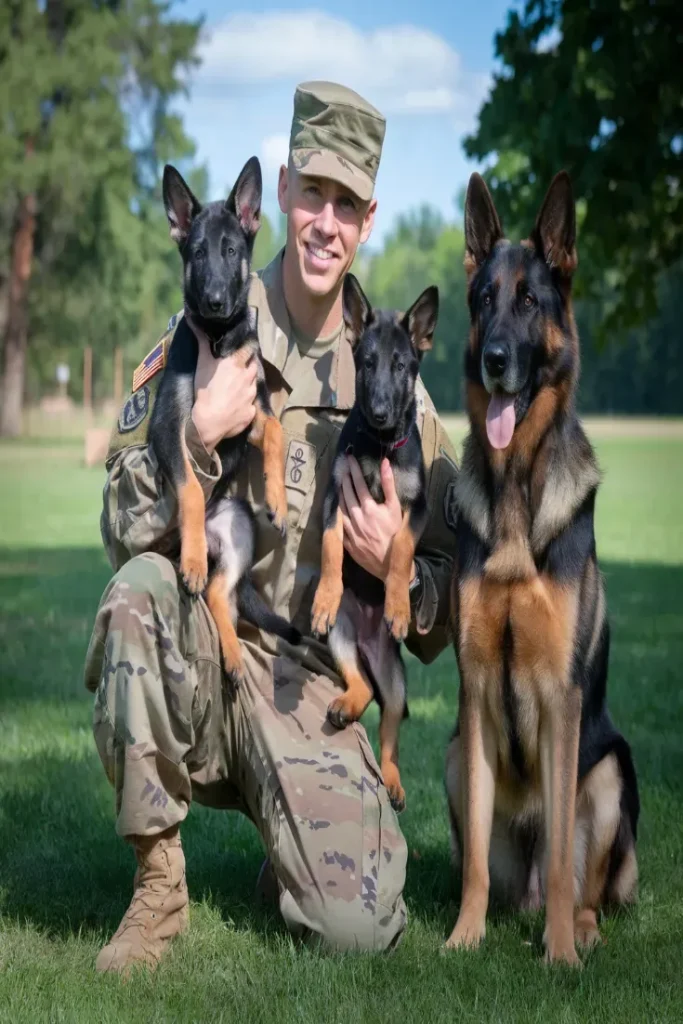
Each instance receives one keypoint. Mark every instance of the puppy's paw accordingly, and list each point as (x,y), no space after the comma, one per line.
(194,571)
(234,675)
(397,611)
(560,949)
(342,711)
(325,608)
(278,518)
(392,780)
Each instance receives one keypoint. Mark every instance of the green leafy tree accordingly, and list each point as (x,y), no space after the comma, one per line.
(85,126)
(595,88)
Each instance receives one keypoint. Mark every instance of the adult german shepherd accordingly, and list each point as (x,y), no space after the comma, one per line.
(542,790)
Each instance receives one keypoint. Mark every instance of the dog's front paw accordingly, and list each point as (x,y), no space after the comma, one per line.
(468,933)
(234,674)
(586,932)
(278,518)
(397,611)
(560,948)
(342,711)
(392,780)
(194,571)
(325,607)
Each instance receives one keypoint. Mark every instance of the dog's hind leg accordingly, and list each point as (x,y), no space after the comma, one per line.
(392,686)
(343,641)
(218,601)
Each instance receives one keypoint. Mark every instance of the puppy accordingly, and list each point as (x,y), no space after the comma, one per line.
(364,618)
(217,542)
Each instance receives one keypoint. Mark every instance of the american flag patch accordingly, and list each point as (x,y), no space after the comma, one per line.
(151,364)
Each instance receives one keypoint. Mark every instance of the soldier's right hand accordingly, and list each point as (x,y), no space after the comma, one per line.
(225,391)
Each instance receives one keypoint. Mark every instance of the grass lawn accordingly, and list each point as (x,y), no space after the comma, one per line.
(65,878)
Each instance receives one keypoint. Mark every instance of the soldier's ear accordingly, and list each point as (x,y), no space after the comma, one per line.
(357,309)
(245,199)
(420,320)
(180,204)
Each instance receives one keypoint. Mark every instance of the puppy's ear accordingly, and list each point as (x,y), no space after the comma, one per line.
(420,320)
(181,205)
(357,309)
(245,199)
(554,234)
(482,225)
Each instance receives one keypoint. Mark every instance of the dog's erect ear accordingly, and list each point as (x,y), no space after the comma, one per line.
(181,205)
(420,320)
(357,309)
(482,225)
(245,199)
(555,232)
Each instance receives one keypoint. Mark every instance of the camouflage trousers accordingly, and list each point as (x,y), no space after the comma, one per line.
(167,732)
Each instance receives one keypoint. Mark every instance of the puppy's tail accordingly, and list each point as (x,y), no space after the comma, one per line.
(254,609)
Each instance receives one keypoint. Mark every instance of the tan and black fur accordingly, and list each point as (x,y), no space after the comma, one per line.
(541,786)
(216,542)
(364,618)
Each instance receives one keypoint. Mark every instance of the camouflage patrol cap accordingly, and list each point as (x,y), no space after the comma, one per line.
(336,134)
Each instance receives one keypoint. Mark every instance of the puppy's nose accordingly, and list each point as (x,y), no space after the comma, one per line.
(496,359)
(381,416)
(214,301)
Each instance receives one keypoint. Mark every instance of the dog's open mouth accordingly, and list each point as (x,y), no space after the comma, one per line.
(500,419)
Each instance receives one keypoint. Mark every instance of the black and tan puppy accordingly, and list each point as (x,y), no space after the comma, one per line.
(216,243)
(366,619)
(541,785)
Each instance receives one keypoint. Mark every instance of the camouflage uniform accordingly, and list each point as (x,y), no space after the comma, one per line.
(165,728)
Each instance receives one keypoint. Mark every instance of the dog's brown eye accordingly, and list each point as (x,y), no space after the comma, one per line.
(487,300)
(231,251)
(528,300)
(400,366)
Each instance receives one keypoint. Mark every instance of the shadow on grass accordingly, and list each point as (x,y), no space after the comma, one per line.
(63,868)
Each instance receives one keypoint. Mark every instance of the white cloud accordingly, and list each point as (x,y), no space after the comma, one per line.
(274,153)
(402,68)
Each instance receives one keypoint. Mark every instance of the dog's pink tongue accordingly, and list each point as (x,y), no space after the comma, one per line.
(500,420)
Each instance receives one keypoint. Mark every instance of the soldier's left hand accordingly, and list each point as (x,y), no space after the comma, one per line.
(369,528)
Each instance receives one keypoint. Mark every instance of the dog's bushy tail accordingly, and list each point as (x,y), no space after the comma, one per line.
(254,609)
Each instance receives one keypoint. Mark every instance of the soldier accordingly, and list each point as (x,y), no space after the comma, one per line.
(165,730)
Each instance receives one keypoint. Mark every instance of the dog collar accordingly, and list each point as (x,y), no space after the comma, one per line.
(398,444)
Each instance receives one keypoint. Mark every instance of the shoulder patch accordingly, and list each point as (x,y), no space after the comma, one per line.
(450,506)
(135,410)
(151,364)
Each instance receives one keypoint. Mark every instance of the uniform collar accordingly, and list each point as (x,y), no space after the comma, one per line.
(327,382)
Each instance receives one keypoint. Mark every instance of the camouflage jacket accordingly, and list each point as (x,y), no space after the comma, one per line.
(312,398)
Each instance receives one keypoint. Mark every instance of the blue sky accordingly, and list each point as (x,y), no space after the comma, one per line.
(426,66)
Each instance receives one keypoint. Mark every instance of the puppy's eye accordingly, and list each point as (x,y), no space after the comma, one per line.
(199,254)
(400,366)
(528,300)
(231,251)
(369,363)
(487,300)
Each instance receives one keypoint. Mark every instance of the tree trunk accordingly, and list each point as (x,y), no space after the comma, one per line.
(17,318)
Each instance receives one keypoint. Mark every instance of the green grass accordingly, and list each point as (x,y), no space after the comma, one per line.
(65,879)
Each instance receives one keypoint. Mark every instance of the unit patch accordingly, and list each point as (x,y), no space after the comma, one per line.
(134,411)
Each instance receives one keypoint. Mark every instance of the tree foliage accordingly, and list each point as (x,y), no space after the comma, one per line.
(595,88)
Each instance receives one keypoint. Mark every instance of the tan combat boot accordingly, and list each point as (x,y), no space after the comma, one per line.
(159,909)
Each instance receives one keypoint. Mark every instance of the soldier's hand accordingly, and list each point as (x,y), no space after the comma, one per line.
(225,391)
(369,528)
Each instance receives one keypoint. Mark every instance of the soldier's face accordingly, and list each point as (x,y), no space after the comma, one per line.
(325,224)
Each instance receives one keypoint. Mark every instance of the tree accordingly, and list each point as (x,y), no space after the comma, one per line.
(85,87)
(595,88)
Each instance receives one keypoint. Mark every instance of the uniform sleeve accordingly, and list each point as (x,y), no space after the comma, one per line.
(429,633)
(140,509)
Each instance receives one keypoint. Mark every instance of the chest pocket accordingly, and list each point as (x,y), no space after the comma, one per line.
(310,444)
